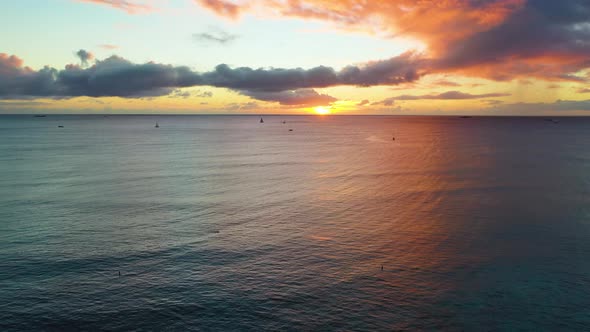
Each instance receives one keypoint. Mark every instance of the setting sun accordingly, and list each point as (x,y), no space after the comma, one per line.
(322,110)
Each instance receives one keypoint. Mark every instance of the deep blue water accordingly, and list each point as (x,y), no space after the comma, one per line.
(220,223)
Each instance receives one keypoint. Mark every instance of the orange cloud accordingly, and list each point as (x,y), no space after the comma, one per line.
(9,62)
(131,7)
(435,21)
(223,8)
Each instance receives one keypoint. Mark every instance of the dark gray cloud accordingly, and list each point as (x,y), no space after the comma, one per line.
(204,94)
(20,82)
(215,36)
(545,38)
(116,76)
(401,69)
(84,57)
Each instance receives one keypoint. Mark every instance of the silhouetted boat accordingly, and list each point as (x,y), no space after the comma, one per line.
(157,125)
(60,126)
(261,121)
(552,120)
(39,116)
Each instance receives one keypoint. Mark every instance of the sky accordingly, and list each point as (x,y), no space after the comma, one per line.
(396,57)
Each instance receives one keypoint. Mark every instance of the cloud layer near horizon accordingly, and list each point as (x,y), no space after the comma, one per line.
(116,76)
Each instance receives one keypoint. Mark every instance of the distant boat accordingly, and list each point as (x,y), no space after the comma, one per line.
(40,116)
(261,121)
(284,121)
(157,125)
(552,120)
(465,117)
(60,126)
(290,129)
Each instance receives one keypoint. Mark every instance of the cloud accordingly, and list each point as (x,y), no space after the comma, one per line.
(400,69)
(84,56)
(23,82)
(114,76)
(179,93)
(131,7)
(559,105)
(222,7)
(242,106)
(363,102)
(215,36)
(385,102)
(584,90)
(108,46)
(543,38)
(300,97)
(118,77)
(494,39)
(446,83)
(204,94)
(449,95)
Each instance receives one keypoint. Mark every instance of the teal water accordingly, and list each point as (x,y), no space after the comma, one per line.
(220,223)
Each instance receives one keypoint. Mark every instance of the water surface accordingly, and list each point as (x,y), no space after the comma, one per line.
(221,223)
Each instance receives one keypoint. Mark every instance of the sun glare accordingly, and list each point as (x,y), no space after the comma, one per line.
(322,110)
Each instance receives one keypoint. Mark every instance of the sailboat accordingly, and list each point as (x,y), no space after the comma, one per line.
(261,121)
(157,125)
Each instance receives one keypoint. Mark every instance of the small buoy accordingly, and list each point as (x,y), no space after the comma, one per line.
(381,267)
(119,273)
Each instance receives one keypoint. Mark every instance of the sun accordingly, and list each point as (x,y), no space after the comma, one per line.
(321,110)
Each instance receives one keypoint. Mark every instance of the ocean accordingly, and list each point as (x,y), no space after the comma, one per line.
(222,223)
